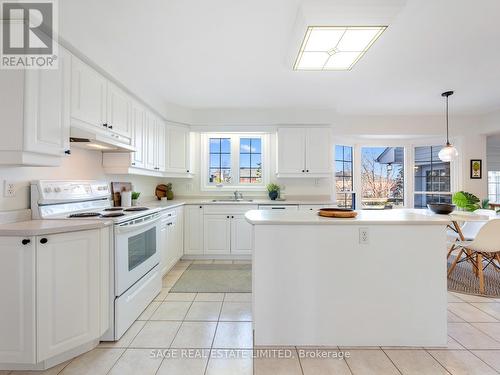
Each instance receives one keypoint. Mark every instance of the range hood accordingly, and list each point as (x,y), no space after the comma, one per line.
(94,140)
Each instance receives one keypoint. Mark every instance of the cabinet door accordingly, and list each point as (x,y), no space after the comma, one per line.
(291,150)
(179,232)
(17,293)
(217,234)
(178,150)
(105,280)
(160,146)
(67,291)
(138,135)
(46,108)
(163,243)
(118,107)
(150,128)
(171,246)
(241,235)
(319,151)
(88,94)
(193,233)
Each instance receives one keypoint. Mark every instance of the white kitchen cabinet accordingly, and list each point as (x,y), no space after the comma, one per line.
(35,114)
(17,291)
(193,229)
(163,242)
(160,154)
(170,246)
(118,110)
(138,135)
(217,229)
(88,95)
(179,232)
(178,144)
(241,235)
(150,128)
(304,152)
(55,292)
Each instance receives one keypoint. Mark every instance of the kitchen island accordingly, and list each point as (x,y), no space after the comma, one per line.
(376,280)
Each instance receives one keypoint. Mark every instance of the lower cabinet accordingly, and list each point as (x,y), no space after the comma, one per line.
(171,238)
(217,230)
(54,291)
(193,229)
(241,235)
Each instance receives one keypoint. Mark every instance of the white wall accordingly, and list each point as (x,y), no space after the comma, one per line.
(81,164)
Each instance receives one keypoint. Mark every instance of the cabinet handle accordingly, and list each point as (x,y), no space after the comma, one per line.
(25,242)
(307,170)
(110,127)
(303,170)
(44,240)
(227,217)
(201,206)
(232,217)
(67,152)
(187,170)
(105,125)
(133,163)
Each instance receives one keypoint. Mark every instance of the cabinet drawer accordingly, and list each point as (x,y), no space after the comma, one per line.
(229,208)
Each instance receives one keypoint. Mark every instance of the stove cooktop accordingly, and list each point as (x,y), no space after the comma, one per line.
(85,214)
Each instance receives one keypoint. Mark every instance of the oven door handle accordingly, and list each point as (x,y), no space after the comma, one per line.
(132,227)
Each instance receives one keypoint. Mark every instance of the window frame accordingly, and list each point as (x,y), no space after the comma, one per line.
(235,161)
(343,177)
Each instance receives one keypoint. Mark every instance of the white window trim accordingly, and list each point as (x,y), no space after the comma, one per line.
(235,162)
(409,147)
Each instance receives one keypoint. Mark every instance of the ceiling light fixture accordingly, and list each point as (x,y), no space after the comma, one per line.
(335,47)
(448,152)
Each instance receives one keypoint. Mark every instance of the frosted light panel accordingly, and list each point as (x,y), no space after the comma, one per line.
(335,47)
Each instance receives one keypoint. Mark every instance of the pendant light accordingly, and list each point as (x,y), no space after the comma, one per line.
(448,152)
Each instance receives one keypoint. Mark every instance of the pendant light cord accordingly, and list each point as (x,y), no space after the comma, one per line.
(447,136)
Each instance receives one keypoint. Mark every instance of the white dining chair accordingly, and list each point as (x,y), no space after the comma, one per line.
(482,251)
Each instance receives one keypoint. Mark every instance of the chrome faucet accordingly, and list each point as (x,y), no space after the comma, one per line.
(238,195)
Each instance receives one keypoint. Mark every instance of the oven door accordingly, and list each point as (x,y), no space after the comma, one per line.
(136,250)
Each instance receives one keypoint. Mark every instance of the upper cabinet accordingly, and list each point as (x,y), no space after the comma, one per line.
(178,150)
(118,110)
(304,152)
(35,114)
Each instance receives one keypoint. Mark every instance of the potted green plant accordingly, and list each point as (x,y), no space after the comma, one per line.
(466,201)
(135,197)
(170,192)
(273,190)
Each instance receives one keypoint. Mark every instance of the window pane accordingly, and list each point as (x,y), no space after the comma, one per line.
(225,145)
(244,145)
(214,145)
(344,200)
(245,160)
(343,172)
(431,174)
(256,145)
(214,161)
(348,153)
(256,161)
(347,169)
(225,160)
(382,177)
(339,152)
(250,161)
(421,200)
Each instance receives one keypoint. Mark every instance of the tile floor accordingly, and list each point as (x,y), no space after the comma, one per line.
(211,334)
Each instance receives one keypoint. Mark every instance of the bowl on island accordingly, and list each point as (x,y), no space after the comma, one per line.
(441,208)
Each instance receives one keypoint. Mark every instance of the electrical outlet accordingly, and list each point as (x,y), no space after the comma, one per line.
(364,237)
(9,189)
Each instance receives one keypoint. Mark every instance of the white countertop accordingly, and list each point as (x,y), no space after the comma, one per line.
(395,216)
(42,227)
(190,201)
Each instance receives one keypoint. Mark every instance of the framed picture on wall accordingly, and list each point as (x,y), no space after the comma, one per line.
(476,169)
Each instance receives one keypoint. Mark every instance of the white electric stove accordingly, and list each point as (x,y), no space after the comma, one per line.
(135,272)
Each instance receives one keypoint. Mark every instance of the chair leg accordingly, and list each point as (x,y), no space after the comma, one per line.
(454,264)
(450,251)
(479,260)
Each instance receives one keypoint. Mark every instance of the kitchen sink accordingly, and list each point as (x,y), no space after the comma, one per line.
(232,200)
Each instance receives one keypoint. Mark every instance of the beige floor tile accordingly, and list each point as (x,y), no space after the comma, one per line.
(169,281)
(313,364)
(491,357)
(51,371)
(238,297)
(179,362)
(171,310)
(186,297)
(161,296)
(196,335)
(230,362)
(223,262)
(452,345)
(201,261)
(136,361)
(278,366)
(209,297)
(95,362)
(127,337)
(415,362)
(469,313)
(156,335)
(492,309)
(242,262)
(471,337)
(204,311)
(236,311)
(460,362)
(491,329)
(453,318)
(183,262)
(234,335)
(367,362)
(148,311)
(472,298)
(454,297)
(177,272)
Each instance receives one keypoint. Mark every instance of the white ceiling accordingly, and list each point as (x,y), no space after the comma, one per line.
(233,54)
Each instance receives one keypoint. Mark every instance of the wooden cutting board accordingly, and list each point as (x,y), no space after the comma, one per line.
(116,189)
(337,212)
(161,191)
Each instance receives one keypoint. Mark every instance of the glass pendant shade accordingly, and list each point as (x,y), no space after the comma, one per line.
(448,153)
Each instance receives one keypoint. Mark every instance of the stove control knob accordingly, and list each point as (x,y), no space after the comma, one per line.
(57,189)
(48,190)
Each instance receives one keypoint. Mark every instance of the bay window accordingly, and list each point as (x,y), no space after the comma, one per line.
(343,176)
